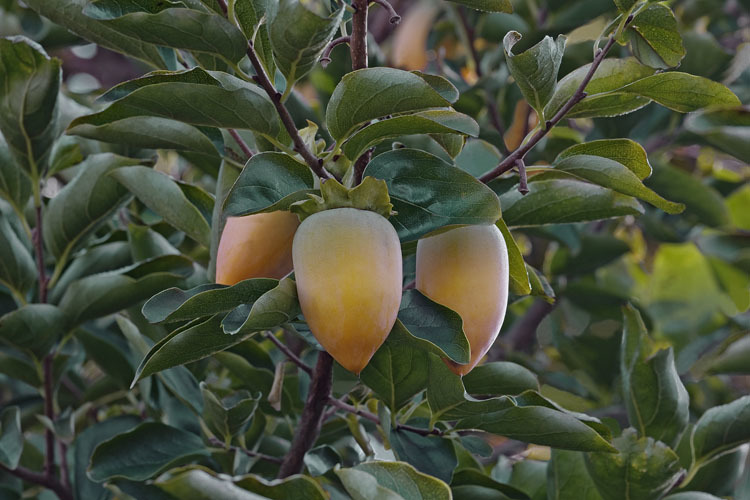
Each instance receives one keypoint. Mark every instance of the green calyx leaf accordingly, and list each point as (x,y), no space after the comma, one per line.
(371,194)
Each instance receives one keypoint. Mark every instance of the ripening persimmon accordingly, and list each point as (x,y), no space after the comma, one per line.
(466,269)
(256,246)
(347,263)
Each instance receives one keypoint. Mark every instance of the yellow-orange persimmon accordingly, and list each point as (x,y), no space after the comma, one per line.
(347,263)
(256,246)
(466,269)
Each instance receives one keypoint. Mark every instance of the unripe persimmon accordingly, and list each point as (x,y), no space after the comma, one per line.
(347,263)
(256,246)
(466,269)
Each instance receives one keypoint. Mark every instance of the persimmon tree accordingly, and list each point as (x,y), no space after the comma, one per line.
(573,171)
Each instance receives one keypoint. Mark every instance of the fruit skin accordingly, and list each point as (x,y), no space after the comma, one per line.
(466,269)
(256,246)
(347,263)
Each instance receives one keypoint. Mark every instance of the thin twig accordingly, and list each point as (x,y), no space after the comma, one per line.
(288,352)
(241,143)
(49,412)
(308,428)
(523,184)
(361,164)
(510,161)
(39,251)
(51,483)
(249,453)
(395,18)
(374,418)
(326,57)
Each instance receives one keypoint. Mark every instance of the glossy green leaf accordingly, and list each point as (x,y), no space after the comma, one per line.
(624,151)
(556,201)
(69,13)
(11,437)
(109,351)
(17,268)
(656,400)
(425,122)
(429,193)
(488,5)
(168,198)
(682,92)
(519,276)
(268,182)
(625,5)
(19,368)
(282,489)
(535,70)
(174,304)
(106,293)
(250,15)
(725,129)
(15,185)
(468,484)
(734,359)
(198,483)
(654,37)
(644,468)
(193,96)
(568,479)
(431,322)
(615,176)
(166,23)
(371,93)
(299,36)
(721,429)
(29,83)
(227,417)
(275,307)
(84,203)
(144,452)
(499,378)
(33,327)
(392,481)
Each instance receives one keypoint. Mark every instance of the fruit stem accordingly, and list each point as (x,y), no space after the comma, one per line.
(308,428)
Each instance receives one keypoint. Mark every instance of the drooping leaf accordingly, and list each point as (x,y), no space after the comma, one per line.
(29,83)
(11,437)
(17,268)
(371,93)
(199,483)
(33,327)
(15,185)
(168,198)
(429,193)
(654,37)
(734,359)
(299,36)
(726,129)
(721,429)
(144,452)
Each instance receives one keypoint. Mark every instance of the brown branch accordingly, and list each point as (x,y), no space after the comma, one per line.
(523,184)
(249,453)
(50,483)
(49,412)
(358,42)
(361,164)
(374,418)
(510,161)
(261,78)
(288,352)
(39,251)
(308,428)
(241,143)
(326,57)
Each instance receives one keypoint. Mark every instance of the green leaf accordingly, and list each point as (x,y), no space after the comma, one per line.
(624,151)
(625,5)
(227,417)
(66,153)
(29,83)
(391,481)
(488,5)
(611,75)
(275,307)
(69,13)
(725,129)
(654,37)
(644,468)
(283,489)
(106,293)
(519,276)
(11,437)
(371,93)
(198,483)
(499,378)
(165,23)
(17,268)
(144,452)
(720,430)
(168,198)
(431,322)
(471,484)
(84,203)
(681,92)
(195,96)
(84,446)
(595,251)
(567,478)
(429,193)
(656,400)
(249,14)
(426,122)
(109,351)
(268,182)
(692,495)
(535,70)
(398,369)
(299,36)
(174,304)
(15,186)
(616,176)
(33,327)
(556,201)
(734,359)
(16,367)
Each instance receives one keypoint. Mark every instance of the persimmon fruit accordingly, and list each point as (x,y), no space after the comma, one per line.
(466,269)
(348,268)
(256,246)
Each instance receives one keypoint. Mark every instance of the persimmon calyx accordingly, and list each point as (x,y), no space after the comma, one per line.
(371,195)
